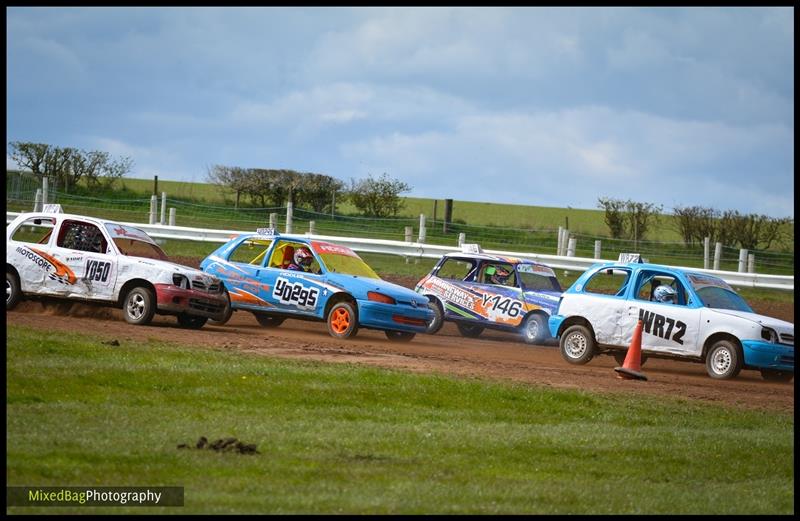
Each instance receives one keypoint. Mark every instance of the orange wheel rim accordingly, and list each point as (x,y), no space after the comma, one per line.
(340,320)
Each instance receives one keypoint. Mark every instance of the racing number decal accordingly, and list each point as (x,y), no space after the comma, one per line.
(294,293)
(505,305)
(654,324)
(97,270)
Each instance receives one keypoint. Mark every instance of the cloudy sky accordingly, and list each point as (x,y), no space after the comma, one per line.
(538,106)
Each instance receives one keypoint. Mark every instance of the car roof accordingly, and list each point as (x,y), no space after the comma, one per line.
(497,258)
(60,215)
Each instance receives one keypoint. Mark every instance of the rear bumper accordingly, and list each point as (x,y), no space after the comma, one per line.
(377,315)
(174,300)
(553,323)
(764,355)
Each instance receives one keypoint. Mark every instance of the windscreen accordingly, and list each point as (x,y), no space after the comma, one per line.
(716,293)
(340,259)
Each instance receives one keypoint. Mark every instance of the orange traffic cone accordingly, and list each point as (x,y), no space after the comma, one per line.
(633,360)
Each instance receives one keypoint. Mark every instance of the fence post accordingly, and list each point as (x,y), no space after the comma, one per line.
(742,260)
(560,239)
(706,252)
(153,208)
(45,194)
(409,232)
(311,226)
(462,238)
(571,248)
(172,216)
(751,263)
(163,219)
(597,246)
(273,220)
(421,228)
(37,201)
(289,211)
(717,255)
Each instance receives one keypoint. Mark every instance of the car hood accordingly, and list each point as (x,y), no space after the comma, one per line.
(781,326)
(359,286)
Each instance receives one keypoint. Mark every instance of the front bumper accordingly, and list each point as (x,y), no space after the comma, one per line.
(764,355)
(377,315)
(553,323)
(174,300)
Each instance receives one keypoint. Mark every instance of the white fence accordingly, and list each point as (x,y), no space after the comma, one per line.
(432,251)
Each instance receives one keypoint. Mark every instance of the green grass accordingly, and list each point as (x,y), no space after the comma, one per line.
(347,439)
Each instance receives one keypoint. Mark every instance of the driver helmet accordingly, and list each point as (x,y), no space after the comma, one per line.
(497,274)
(303,257)
(665,293)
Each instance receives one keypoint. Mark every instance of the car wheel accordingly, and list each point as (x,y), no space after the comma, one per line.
(226,313)
(191,321)
(400,336)
(619,356)
(139,306)
(724,360)
(469,331)
(268,321)
(772,375)
(342,321)
(438,318)
(577,345)
(13,293)
(534,329)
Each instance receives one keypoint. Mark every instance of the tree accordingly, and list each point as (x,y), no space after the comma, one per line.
(753,231)
(695,223)
(318,191)
(377,197)
(640,217)
(614,215)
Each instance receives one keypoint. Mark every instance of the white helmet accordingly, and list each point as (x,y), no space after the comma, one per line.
(664,293)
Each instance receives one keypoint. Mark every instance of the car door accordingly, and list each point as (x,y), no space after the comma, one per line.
(497,303)
(602,302)
(86,251)
(450,283)
(243,274)
(29,250)
(292,292)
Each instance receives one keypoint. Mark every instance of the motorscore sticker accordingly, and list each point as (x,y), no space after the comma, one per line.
(56,270)
(294,293)
(98,271)
(662,326)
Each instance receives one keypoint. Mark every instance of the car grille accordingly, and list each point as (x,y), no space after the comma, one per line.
(205,305)
(787,360)
(787,339)
(199,285)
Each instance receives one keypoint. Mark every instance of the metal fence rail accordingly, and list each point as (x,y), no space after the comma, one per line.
(433,251)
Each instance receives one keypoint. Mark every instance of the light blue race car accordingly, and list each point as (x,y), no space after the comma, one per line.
(278,277)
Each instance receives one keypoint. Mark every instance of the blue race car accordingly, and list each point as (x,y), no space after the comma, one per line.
(478,291)
(278,277)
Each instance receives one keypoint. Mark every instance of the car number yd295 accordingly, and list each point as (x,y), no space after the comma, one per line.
(295,293)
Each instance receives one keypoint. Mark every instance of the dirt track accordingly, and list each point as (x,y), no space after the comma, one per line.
(494,355)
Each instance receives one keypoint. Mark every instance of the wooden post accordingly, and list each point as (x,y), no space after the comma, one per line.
(717,255)
(273,221)
(155,185)
(462,238)
(706,252)
(172,216)
(422,232)
(153,208)
(571,248)
(560,238)
(751,263)
(311,227)
(37,201)
(289,212)
(597,246)
(163,219)
(742,260)
(409,236)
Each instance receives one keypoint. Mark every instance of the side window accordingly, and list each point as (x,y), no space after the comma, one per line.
(608,282)
(251,251)
(497,273)
(649,282)
(83,236)
(283,257)
(34,231)
(455,269)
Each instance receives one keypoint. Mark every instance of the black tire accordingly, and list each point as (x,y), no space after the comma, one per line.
(438,318)
(191,321)
(534,329)
(268,320)
(13,293)
(771,375)
(400,336)
(619,356)
(469,330)
(577,345)
(724,360)
(342,320)
(227,313)
(139,306)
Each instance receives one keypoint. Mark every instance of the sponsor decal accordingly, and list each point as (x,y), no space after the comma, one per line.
(55,269)
(326,247)
(662,326)
(450,293)
(241,296)
(295,294)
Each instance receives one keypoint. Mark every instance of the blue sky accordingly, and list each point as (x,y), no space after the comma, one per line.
(539,106)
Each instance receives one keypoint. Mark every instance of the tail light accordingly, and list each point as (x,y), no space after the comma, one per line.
(380,297)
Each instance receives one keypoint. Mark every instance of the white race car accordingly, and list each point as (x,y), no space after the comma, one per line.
(686,315)
(90,259)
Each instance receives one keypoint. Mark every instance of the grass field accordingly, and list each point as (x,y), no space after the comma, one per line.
(346,439)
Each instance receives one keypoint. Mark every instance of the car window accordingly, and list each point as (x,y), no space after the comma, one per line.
(283,256)
(35,230)
(537,277)
(497,273)
(251,251)
(83,236)
(608,282)
(649,281)
(455,269)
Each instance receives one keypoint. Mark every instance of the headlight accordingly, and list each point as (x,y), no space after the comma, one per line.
(769,335)
(180,280)
(380,297)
